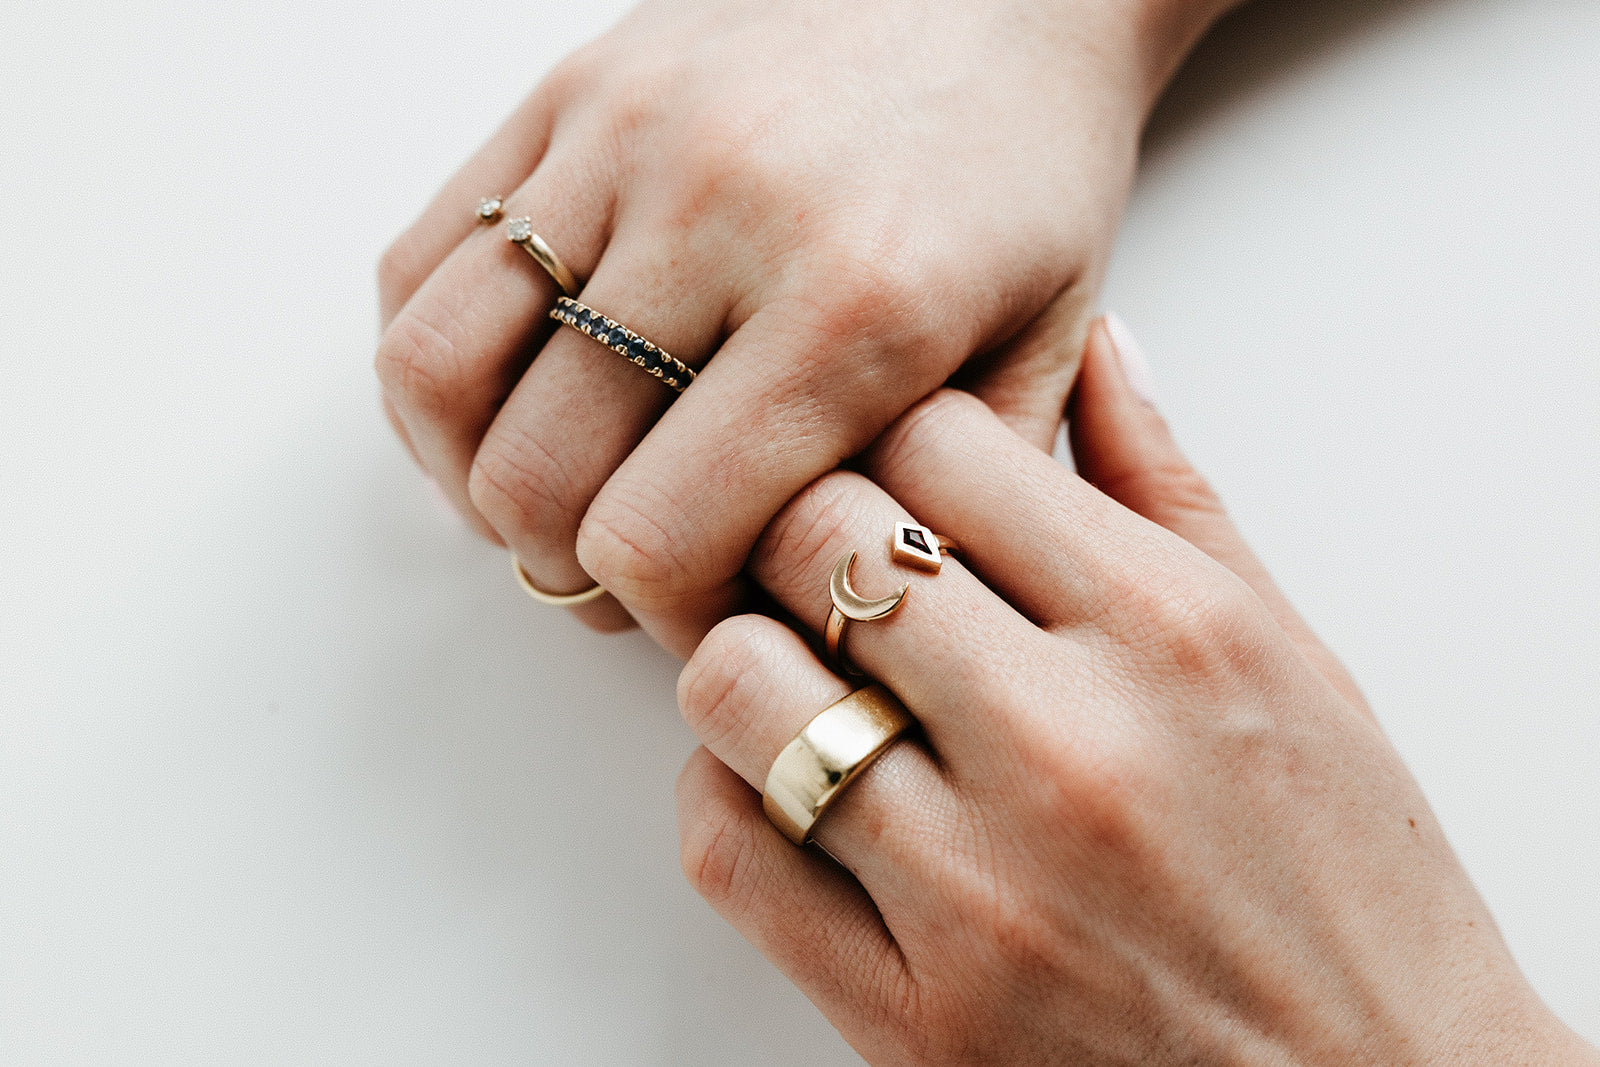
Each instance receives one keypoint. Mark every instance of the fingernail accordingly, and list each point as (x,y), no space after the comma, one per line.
(1135,368)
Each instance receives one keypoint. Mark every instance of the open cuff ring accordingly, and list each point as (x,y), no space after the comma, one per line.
(914,545)
(827,755)
(520,233)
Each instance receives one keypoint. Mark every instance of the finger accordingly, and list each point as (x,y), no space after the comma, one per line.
(581,408)
(788,397)
(750,687)
(800,910)
(1124,448)
(1028,379)
(399,429)
(1058,550)
(501,165)
(949,647)
(454,352)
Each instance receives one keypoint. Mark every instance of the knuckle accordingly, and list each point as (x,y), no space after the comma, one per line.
(808,529)
(400,271)
(1205,629)
(624,544)
(715,851)
(872,289)
(729,158)
(927,426)
(517,483)
(415,363)
(725,679)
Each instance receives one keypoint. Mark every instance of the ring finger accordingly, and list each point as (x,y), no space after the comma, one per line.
(750,688)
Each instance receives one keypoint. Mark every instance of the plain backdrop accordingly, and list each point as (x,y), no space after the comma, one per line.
(290,772)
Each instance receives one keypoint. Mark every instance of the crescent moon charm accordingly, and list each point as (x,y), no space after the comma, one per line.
(853,605)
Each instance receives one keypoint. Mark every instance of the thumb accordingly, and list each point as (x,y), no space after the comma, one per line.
(1123,447)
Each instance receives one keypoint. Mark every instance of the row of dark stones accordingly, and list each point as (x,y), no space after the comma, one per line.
(623,341)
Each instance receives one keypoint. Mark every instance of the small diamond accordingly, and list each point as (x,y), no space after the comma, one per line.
(519,230)
(489,208)
(581,319)
(618,336)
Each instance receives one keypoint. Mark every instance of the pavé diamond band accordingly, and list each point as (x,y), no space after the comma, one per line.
(623,341)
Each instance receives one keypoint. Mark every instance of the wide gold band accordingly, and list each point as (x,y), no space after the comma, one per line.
(569,600)
(825,757)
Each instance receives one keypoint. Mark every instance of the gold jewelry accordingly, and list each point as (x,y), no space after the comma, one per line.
(848,606)
(827,755)
(520,232)
(917,546)
(623,341)
(489,208)
(569,600)
(912,544)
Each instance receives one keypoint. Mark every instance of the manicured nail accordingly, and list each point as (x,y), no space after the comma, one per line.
(1135,368)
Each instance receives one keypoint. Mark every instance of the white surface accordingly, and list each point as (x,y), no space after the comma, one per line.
(290,771)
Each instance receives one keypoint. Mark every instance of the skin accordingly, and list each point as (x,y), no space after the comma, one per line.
(829,207)
(1148,818)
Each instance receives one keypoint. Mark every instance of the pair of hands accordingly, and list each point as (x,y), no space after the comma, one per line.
(1149,817)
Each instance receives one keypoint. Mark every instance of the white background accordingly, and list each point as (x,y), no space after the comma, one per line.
(291,772)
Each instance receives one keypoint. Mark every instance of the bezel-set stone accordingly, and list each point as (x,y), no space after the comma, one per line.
(916,546)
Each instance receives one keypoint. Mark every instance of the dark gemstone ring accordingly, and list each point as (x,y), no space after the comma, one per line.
(624,342)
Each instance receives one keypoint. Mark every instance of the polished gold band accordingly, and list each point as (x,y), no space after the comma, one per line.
(827,755)
(569,600)
(520,233)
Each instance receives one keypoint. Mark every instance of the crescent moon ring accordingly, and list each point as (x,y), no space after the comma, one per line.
(853,605)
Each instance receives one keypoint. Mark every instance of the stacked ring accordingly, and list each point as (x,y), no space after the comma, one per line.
(623,341)
(827,755)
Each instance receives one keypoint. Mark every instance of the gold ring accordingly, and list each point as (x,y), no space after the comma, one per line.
(489,208)
(520,232)
(912,544)
(647,356)
(827,755)
(569,600)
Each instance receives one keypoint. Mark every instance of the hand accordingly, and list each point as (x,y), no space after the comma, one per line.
(844,202)
(1149,818)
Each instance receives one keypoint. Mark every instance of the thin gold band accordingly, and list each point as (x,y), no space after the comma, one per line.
(827,755)
(520,233)
(569,600)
